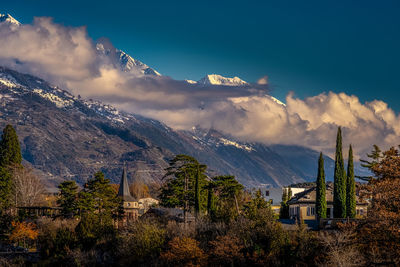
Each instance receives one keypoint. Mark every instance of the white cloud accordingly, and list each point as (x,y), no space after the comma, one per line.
(67,57)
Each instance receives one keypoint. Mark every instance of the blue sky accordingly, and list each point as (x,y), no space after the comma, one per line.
(303,46)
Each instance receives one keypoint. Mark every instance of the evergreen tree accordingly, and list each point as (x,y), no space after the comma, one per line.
(375,156)
(68,199)
(339,193)
(10,156)
(320,204)
(350,187)
(197,191)
(10,151)
(5,190)
(211,199)
(228,189)
(284,210)
(99,198)
(185,185)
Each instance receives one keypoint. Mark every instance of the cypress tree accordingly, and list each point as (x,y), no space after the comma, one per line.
(197,192)
(320,204)
(210,199)
(10,151)
(350,187)
(339,193)
(284,210)
(10,155)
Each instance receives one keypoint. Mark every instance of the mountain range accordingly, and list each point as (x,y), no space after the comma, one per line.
(65,137)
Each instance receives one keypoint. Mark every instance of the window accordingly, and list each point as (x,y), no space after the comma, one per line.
(267,193)
(310,211)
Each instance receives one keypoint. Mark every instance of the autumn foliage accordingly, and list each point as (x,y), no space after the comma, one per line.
(184,251)
(22,232)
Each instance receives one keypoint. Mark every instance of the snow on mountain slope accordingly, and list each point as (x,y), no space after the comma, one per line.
(125,62)
(215,79)
(7,18)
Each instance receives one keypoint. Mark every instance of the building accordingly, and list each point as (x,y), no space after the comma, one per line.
(302,205)
(147,202)
(130,205)
(274,196)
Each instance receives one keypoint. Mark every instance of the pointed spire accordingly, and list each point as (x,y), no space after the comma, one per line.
(124,186)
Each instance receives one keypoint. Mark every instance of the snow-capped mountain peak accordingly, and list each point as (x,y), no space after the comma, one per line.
(124,61)
(128,63)
(215,79)
(9,19)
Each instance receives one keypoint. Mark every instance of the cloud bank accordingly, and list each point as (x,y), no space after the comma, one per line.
(68,57)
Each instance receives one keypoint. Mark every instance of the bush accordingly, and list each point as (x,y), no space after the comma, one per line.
(184,251)
(141,242)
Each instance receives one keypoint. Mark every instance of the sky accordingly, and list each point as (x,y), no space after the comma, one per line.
(332,63)
(307,47)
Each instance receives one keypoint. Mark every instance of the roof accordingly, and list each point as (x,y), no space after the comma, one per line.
(309,196)
(123,191)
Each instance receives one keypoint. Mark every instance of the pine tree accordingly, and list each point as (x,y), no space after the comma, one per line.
(350,187)
(99,198)
(339,193)
(68,200)
(320,204)
(375,156)
(10,151)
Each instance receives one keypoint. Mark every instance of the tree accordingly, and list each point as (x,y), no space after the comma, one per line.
(5,190)
(226,251)
(185,185)
(375,156)
(228,190)
(350,187)
(339,191)
(379,236)
(99,198)
(10,156)
(28,188)
(68,199)
(211,198)
(23,231)
(284,210)
(10,151)
(320,204)
(184,251)
(139,190)
(258,209)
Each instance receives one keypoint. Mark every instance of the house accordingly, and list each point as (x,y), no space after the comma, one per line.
(129,204)
(274,195)
(147,203)
(302,205)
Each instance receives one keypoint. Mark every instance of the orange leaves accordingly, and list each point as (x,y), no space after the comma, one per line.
(22,231)
(184,251)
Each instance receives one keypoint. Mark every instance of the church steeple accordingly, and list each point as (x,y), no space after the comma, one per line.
(124,187)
